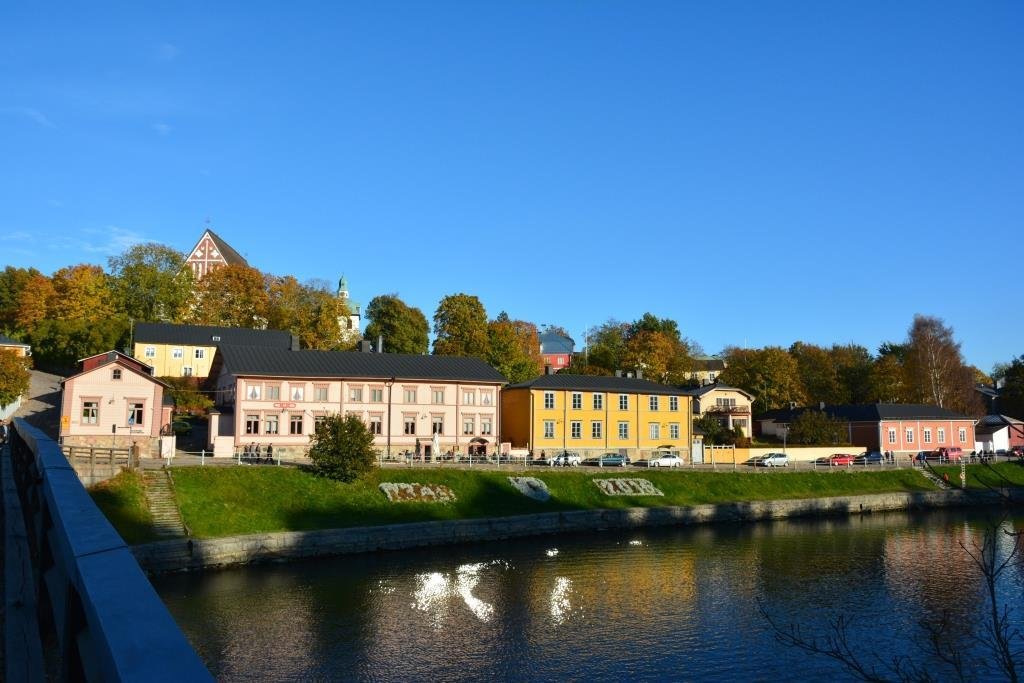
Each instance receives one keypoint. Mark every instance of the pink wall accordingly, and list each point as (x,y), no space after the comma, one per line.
(920,428)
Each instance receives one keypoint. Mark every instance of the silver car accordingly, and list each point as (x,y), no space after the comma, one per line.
(775,460)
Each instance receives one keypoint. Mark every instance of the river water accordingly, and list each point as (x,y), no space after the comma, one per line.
(651,605)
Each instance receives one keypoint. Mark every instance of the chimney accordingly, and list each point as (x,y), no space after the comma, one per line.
(639,373)
(380,343)
(365,346)
(548,370)
(618,373)
(294,343)
(821,405)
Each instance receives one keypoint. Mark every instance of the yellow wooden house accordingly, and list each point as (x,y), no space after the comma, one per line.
(187,350)
(593,415)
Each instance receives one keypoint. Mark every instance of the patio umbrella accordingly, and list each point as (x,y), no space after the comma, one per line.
(435,447)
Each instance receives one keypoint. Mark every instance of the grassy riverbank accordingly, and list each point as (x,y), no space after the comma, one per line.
(123,501)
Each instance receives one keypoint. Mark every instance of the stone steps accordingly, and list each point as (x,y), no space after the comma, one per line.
(163,506)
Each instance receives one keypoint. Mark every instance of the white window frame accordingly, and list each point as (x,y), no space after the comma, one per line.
(653,403)
(623,430)
(673,403)
(576,429)
(623,401)
(892,435)
(941,437)
(577,400)
(150,352)
(549,400)
(596,429)
(654,430)
(549,429)
(355,394)
(673,430)
(200,354)
(909,434)
(598,401)
(963,435)
(926,435)
(177,352)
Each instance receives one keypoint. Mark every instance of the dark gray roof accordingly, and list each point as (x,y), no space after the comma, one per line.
(708,364)
(203,335)
(597,383)
(700,391)
(267,362)
(998,421)
(231,257)
(552,342)
(7,341)
(872,412)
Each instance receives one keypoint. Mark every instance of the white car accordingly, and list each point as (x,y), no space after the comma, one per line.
(775,460)
(666,460)
(565,459)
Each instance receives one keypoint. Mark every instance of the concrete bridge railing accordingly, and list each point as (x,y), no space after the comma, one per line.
(98,616)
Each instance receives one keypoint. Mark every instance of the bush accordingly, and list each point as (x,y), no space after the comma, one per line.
(341,448)
(814,427)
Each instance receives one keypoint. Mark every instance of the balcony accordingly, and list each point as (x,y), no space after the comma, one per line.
(728,410)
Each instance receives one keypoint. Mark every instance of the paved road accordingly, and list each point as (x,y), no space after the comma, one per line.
(42,407)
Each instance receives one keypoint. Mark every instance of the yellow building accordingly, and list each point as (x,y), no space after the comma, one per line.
(187,350)
(19,349)
(594,415)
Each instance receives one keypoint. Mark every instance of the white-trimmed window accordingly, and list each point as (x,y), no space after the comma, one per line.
(115,374)
(575,429)
(376,395)
(295,423)
(150,352)
(654,430)
(186,371)
(270,424)
(673,430)
(177,353)
(252,424)
(623,401)
(468,398)
(468,425)
(437,396)
(485,425)
(926,436)
(577,401)
(437,424)
(320,392)
(409,425)
(549,399)
(549,429)
(892,435)
(596,429)
(652,403)
(623,430)
(254,392)
(963,435)
(673,403)
(90,412)
(135,413)
(376,424)
(942,435)
(298,393)
(200,354)
(409,395)
(910,435)
(485,398)
(272,392)
(598,401)
(355,394)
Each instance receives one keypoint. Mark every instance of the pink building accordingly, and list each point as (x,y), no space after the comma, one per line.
(276,397)
(114,402)
(556,350)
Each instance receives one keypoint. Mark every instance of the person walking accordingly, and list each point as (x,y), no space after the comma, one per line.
(4,431)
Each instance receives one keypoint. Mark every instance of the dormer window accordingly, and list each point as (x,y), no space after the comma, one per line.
(116,374)
(216,338)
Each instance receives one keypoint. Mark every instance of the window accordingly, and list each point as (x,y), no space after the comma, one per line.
(623,401)
(653,401)
(320,393)
(150,352)
(90,412)
(177,353)
(942,435)
(437,396)
(673,430)
(910,436)
(298,393)
(549,399)
(273,392)
(116,374)
(376,424)
(485,425)
(376,395)
(186,371)
(711,376)
(596,429)
(549,429)
(318,421)
(271,425)
(468,425)
(623,430)
(410,395)
(576,429)
(655,430)
(295,424)
(410,425)
(355,394)
(740,423)
(200,354)
(135,414)
(963,435)
(254,393)
(577,401)
(927,436)
(469,398)
(485,398)
(437,425)
(598,401)
(673,403)
(725,402)
(252,424)
(892,435)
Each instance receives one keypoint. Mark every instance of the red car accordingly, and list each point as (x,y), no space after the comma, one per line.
(835,460)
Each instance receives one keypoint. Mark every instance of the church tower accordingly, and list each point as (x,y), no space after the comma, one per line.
(350,326)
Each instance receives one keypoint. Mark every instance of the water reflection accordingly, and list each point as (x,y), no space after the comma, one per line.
(662,604)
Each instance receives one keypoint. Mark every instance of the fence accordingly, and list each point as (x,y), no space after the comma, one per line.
(95,464)
(94,604)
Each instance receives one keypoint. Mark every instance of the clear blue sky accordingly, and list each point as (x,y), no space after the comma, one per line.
(762,172)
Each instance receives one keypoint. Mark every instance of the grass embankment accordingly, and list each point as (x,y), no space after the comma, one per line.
(1000,475)
(123,501)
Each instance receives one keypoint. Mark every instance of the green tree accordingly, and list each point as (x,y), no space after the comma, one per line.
(58,344)
(1011,397)
(404,328)
(770,373)
(341,448)
(187,396)
(151,283)
(818,374)
(232,296)
(853,367)
(14,377)
(814,427)
(460,327)
(606,346)
(514,348)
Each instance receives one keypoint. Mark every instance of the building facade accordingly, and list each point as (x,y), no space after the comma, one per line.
(19,349)
(115,402)
(706,369)
(729,405)
(595,415)
(350,326)
(188,350)
(995,433)
(556,350)
(212,252)
(276,397)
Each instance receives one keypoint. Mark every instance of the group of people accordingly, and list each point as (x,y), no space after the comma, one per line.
(254,452)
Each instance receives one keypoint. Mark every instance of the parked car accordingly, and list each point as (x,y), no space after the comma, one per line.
(1017,451)
(869,458)
(951,453)
(775,460)
(181,427)
(755,461)
(933,456)
(835,460)
(664,460)
(608,460)
(565,459)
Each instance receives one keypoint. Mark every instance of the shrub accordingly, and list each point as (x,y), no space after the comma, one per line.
(14,377)
(341,448)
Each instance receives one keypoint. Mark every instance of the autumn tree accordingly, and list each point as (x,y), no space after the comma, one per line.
(231,296)
(34,302)
(460,327)
(514,348)
(151,283)
(403,328)
(81,292)
(14,281)
(817,373)
(770,373)
(1011,397)
(852,364)
(309,311)
(14,377)
(935,369)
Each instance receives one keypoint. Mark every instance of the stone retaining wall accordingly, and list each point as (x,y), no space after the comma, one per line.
(182,555)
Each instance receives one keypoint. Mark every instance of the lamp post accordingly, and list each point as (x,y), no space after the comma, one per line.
(785,433)
(389,384)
